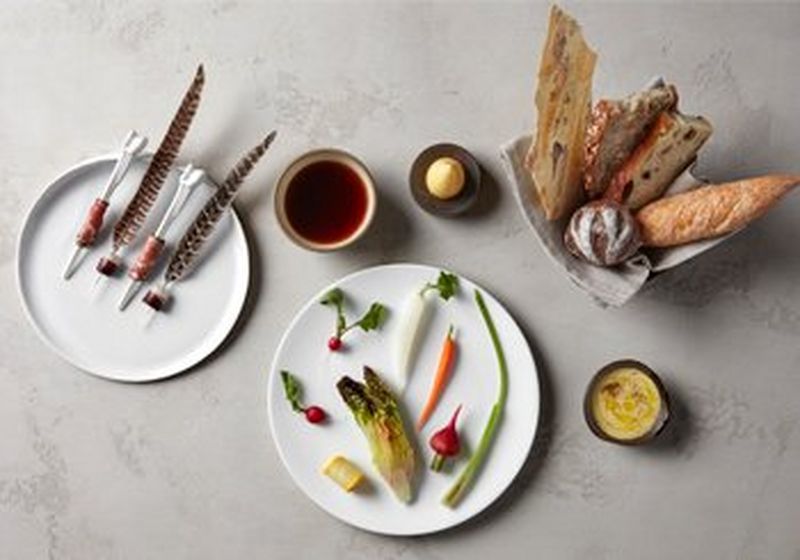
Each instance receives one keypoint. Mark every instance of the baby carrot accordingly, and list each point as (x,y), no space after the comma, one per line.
(446,359)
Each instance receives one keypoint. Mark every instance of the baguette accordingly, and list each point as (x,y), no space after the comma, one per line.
(711,211)
(563,103)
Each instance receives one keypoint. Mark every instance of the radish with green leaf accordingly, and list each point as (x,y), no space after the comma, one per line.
(294,394)
(371,320)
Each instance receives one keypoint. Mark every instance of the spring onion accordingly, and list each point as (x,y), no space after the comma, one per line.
(462,484)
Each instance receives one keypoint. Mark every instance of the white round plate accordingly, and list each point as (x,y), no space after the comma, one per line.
(303,447)
(79,318)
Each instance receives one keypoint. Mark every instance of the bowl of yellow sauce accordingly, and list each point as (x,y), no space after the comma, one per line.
(626,403)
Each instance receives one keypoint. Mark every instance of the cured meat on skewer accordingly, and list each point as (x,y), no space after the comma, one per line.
(134,143)
(148,256)
(204,225)
(138,208)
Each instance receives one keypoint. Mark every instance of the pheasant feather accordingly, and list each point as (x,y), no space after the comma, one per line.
(142,202)
(203,226)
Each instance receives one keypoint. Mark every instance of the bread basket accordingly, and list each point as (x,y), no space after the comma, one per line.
(607,286)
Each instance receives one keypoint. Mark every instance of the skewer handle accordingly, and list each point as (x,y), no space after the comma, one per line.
(133,144)
(190,178)
(146,260)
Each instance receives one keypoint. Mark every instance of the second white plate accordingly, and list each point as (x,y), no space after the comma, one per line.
(79,319)
(474,382)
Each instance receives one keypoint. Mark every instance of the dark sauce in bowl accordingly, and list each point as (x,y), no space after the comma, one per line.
(326,202)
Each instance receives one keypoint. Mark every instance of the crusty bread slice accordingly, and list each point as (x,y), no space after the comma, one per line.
(615,128)
(563,103)
(711,211)
(669,147)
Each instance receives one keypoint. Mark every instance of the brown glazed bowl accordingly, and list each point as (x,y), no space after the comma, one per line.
(663,415)
(453,206)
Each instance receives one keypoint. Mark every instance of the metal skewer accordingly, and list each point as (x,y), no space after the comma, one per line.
(190,178)
(134,143)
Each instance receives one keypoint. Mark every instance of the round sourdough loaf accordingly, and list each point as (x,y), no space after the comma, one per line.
(602,232)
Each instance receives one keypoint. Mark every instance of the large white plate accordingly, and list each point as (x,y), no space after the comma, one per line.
(79,318)
(304,447)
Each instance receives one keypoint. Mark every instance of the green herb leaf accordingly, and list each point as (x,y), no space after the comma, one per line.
(335,297)
(446,285)
(373,318)
(292,390)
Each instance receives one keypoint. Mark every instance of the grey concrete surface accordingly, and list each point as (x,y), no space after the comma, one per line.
(186,468)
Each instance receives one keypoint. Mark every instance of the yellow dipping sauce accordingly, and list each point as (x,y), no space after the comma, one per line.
(445,178)
(626,403)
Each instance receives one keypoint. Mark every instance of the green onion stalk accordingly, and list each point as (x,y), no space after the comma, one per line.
(465,479)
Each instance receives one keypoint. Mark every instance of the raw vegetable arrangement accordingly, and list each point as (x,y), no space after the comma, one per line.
(376,406)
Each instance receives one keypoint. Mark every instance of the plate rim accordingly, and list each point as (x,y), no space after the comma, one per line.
(156,374)
(271,389)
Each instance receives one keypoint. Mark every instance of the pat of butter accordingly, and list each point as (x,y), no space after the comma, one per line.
(445,178)
(342,472)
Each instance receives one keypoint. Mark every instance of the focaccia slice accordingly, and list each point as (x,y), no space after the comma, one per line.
(563,104)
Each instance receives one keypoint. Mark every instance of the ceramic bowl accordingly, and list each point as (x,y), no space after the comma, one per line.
(663,415)
(315,156)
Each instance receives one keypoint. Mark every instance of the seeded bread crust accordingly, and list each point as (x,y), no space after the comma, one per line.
(615,128)
(669,147)
(563,103)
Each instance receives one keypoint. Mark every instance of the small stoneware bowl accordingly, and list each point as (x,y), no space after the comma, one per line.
(445,207)
(663,415)
(330,155)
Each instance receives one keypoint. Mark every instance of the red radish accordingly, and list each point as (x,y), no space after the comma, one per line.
(445,443)
(294,393)
(334,343)
(315,414)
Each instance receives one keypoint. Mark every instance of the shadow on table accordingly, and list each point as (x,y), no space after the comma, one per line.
(679,433)
(392,231)
(489,196)
(533,463)
(253,292)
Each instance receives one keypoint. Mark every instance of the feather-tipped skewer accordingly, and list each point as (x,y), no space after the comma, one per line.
(143,200)
(148,256)
(205,223)
(87,234)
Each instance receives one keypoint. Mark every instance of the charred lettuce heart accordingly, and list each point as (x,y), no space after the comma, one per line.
(377,414)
